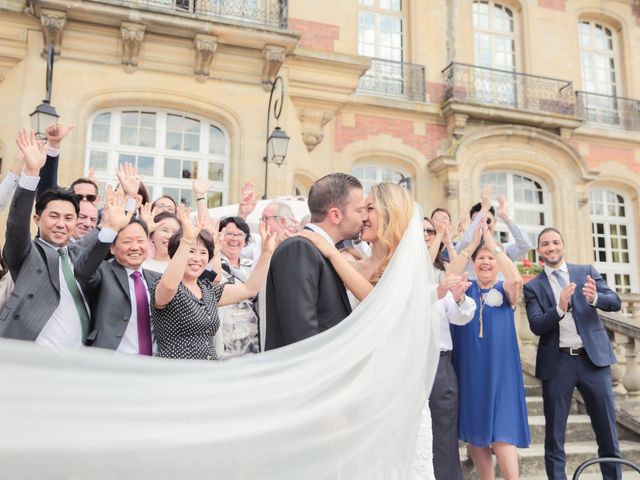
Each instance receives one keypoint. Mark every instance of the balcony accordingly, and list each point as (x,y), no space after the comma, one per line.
(259,12)
(506,96)
(394,79)
(608,111)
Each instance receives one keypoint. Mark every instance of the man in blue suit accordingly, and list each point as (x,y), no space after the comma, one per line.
(574,351)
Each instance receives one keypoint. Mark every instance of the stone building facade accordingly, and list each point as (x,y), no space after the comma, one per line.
(538,97)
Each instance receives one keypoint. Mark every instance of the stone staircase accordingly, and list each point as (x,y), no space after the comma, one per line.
(580,442)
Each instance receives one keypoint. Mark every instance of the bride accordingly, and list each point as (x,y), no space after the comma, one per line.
(389,210)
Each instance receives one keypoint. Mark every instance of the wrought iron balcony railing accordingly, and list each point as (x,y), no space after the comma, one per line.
(396,79)
(509,89)
(262,12)
(608,111)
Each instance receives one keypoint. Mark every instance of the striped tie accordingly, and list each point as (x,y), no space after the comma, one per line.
(72,285)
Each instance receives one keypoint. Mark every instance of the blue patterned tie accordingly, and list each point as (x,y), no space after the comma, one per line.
(560,278)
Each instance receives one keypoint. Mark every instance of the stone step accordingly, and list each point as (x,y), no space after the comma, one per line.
(534,406)
(532,458)
(578,429)
(533,390)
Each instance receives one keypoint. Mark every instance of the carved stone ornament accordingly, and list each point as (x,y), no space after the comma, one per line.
(450,189)
(205,46)
(313,122)
(53,22)
(273,56)
(132,36)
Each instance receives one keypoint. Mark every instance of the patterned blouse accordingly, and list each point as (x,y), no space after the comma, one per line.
(186,326)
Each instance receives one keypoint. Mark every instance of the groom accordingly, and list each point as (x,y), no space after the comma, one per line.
(305,296)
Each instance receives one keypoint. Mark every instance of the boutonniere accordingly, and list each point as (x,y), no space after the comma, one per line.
(493,298)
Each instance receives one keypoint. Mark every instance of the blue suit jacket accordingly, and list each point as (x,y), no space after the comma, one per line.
(544,319)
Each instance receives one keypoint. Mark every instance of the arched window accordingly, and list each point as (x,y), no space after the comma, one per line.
(494,46)
(528,203)
(169,149)
(599,63)
(612,229)
(369,175)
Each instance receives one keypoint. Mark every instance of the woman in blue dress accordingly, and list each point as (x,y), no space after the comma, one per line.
(493,412)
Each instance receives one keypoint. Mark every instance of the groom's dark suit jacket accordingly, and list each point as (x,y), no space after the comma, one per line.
(305,295)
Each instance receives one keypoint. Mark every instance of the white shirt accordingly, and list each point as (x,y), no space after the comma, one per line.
(569,336)
(450,313)
(321,232)
(129,342)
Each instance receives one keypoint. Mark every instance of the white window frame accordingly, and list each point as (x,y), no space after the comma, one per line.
(611,55)
(490,85)
(546,208)
(157,182)
(609,267)
(380,176)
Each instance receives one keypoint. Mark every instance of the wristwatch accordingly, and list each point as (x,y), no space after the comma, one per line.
(497,251)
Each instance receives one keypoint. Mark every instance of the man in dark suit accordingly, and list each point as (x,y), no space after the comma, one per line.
(120,299)
(574,350)
(305,296)
(47,305)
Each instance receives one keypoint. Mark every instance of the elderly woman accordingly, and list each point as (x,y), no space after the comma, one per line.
(493,413)
(184,307)
(239,325)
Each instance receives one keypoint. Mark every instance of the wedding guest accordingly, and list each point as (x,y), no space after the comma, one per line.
(239,324)
(184,307)
(455,308)
(435,246)
(165,226)
(164,203)
(441,221)
(87,219)
(492,409)
(521,244)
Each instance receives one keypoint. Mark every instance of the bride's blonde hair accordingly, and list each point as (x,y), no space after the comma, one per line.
(395,209)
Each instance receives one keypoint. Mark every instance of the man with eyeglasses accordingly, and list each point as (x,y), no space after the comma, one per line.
(516,250)
(279,217)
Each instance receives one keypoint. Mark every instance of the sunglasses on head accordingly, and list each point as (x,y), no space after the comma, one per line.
(89,198)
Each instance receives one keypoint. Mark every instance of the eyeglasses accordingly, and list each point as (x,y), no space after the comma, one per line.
(231,236)
(266,218)
(164,206)
(88,198)
(429,231)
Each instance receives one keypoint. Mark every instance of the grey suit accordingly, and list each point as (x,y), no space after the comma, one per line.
(34,268)
(110,301)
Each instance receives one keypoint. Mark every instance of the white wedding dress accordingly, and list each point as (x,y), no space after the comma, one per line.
(344,404)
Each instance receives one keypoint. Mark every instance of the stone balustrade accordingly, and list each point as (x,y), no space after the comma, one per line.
(624,331)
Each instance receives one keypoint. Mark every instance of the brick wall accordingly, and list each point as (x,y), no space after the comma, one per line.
(370,125)
(320,36)
(599,154)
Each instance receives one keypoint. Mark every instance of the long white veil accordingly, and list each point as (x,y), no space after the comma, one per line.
(344,404)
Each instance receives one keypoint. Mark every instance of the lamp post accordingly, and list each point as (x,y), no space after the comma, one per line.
(277,143)
(45,114)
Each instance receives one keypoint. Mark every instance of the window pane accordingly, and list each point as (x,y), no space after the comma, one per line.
(128,136)
(214,199)
(189,169)
(145,165)
(216,172)
(216,140)
(101,126)
(98,161)
(172,167)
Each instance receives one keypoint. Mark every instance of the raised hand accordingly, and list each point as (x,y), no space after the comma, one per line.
(189,230)
(487,236)
(269,239)
(92,174)
(129,179)
(249,200)
(145,214)
(486,197)
(218,240)
(589,289)
(56,133)
(108,195)
(117,217)
(459,288)
(34,151)
(200,187)
(565,296)
(502,211)
(478,233)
